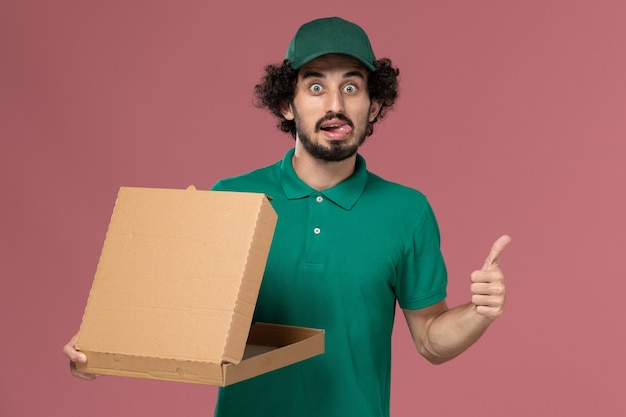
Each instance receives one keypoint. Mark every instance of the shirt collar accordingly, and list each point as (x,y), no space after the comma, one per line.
(345,194)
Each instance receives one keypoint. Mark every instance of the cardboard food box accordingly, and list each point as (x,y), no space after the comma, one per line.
(176,286)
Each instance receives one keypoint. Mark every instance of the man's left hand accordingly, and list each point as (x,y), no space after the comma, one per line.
(488,288)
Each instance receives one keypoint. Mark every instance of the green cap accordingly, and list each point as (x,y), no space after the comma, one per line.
(331,35)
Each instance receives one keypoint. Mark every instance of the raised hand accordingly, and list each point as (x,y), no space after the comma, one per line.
(488,289)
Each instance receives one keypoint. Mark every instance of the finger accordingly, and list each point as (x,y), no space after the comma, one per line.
(73,355)
(82,375)
(493,259)
(484,288)
(487,300)
(492,276)
(69,350)
(489,312)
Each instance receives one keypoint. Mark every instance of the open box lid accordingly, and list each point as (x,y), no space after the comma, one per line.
(179,275)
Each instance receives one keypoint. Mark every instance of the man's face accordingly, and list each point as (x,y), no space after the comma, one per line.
(331,107)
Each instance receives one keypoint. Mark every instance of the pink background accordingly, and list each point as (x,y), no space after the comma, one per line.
(512,120)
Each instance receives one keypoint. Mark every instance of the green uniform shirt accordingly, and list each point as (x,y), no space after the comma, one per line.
(339,260)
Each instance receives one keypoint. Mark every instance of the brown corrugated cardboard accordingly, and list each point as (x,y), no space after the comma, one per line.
(176,286)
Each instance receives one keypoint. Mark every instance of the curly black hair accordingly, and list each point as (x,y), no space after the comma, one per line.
(278,87)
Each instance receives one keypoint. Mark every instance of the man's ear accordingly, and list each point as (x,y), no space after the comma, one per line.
(287,110)
(374,110)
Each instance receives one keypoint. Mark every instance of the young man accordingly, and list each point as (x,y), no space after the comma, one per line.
(348,245)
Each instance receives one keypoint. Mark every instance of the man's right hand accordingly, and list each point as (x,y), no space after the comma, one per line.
(75,356)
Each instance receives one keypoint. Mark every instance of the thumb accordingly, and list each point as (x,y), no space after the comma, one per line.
(493,259)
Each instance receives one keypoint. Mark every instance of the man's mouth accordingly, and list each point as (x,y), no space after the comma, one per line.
(337,128)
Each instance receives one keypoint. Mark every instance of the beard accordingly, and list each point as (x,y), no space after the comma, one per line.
(337,150)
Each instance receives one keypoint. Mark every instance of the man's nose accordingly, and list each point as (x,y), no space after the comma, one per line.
(334,101)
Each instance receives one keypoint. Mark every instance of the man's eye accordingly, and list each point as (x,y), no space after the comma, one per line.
(350,88)
(316,88)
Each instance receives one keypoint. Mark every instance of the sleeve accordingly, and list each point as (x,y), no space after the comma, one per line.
(422,275)
(219,186)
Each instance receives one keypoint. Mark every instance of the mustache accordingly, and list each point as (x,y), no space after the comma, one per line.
(331,116)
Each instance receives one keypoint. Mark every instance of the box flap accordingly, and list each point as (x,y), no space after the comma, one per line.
(269,347)
(179,275)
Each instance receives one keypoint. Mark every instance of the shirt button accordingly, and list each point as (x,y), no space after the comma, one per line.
(317,230)
(319,199)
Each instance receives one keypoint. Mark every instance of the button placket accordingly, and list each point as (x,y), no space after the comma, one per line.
(318,199)
(318,212)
